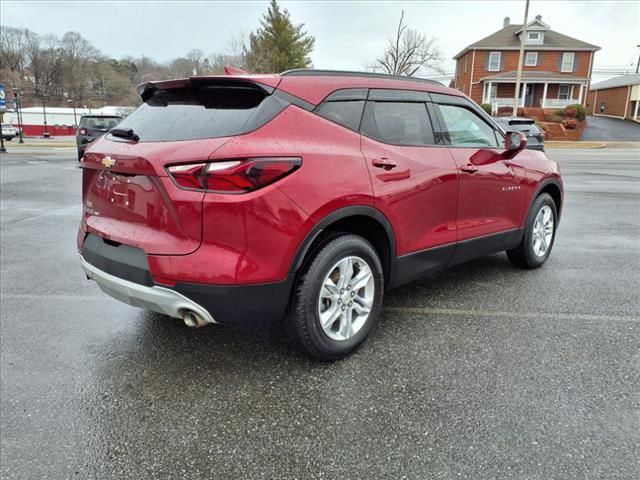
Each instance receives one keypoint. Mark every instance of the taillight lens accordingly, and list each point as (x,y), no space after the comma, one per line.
(235,175)
(83,131)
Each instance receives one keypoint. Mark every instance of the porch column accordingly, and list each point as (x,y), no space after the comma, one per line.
(544,95)
(635,111)
(489,85)
(484,92)
(524,93)
(580,93)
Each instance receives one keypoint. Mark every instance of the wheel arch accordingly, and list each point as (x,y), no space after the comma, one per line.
(368,222)
(553,187)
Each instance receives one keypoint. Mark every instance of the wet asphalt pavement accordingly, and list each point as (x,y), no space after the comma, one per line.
(480,372)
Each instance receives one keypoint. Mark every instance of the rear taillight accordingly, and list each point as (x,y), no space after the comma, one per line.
(83,131)
(233,176)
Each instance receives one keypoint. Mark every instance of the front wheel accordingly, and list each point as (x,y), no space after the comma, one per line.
(338,298)
(539,234)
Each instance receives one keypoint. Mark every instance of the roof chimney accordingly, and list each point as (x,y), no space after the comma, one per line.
(506,22)
(539,18)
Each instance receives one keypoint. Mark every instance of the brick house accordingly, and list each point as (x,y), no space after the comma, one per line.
(556,68)
(617,97)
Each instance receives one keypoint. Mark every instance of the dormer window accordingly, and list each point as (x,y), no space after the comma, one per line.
(535,37)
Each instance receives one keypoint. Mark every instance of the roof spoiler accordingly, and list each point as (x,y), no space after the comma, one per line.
(230,70)
(146,90)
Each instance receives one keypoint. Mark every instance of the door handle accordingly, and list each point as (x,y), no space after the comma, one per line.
(469,168)
(384,163)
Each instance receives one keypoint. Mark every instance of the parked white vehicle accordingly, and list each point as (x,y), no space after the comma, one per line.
(8,131)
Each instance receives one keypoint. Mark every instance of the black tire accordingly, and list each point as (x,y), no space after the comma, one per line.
(523,255)
(304,319)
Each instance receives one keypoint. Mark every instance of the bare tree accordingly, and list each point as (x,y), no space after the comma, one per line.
(409,52)
(11,51)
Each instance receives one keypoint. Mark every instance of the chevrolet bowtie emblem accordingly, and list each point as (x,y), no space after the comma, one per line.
(108,162)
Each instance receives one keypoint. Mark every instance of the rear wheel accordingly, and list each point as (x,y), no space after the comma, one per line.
(338,298)
(539,234)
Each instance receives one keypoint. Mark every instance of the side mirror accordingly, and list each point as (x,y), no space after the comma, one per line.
(514,143)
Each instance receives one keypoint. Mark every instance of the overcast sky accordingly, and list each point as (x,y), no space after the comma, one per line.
(349,34)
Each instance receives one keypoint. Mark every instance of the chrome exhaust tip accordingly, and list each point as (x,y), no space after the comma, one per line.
(192,319)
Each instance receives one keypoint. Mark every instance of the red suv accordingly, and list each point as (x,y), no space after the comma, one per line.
(304,196)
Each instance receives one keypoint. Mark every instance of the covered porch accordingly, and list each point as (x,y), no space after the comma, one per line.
(543,92)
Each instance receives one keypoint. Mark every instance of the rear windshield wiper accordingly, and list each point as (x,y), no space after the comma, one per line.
(122,133)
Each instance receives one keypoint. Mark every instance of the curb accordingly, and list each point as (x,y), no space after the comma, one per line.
(581,145)
(40,145)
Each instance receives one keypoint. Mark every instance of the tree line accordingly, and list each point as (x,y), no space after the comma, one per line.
(69,70)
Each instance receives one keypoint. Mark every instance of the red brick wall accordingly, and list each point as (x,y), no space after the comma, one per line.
(549,62)
(614,100)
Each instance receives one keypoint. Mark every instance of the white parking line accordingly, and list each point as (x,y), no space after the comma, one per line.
(539,315)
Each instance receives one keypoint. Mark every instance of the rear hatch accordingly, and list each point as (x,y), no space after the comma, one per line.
(535,135)
(128,197)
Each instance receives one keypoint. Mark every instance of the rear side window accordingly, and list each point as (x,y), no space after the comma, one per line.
(398,123)
(346,113)
(466,129)
(192,113)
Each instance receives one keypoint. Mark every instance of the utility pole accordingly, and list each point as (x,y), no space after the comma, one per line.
(45,134)
(16,96)
(523,39)
(638,64)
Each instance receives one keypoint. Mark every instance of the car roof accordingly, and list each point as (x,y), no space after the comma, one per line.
(313,85)
(101,116)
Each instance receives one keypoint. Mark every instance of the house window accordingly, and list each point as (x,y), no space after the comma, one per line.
(494,62)
(563,92)
(533,36)
(568,59)
(531,60)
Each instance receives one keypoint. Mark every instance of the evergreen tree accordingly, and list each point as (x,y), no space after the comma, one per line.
(278,45)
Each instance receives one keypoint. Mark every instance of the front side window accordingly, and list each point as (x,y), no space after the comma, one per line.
(564,91)
(398,123)
(531,60)
(466,129)
(494,62)
(568,59)
(346,113)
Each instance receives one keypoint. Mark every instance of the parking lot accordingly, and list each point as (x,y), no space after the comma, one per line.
(480,372)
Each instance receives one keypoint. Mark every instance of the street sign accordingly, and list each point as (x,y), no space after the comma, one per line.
(3,98)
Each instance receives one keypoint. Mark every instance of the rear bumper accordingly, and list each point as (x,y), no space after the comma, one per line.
(154,298)
(122,272)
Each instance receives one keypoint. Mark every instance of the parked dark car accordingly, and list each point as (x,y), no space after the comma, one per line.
(92,127)
(535,135)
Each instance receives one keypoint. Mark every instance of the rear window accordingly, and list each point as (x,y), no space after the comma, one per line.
(347,113)
(100,123)
(522,126)
(202,112)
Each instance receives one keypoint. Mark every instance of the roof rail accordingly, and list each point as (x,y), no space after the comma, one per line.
(306,72)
